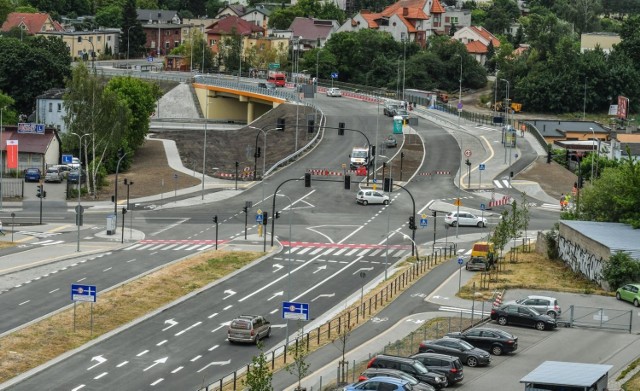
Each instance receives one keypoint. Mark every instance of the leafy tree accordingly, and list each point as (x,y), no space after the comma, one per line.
(630,36)
(298,367)
(8,115)
(110,16)
(95,111)
(259,375)
(323,58)
(502,14)
(230,51)
(6,7)
(544,30)
(132,39)
(195,50)
(38,63)
(621,269)
(331,11)
(282,18)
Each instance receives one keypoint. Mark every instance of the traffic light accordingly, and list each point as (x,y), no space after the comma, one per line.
(549,154)
(215,219)
(347,182)
(412,222)
(511,174)
(401,155)
(245,209)
(265,217)
(40,192)
(310,126)
(277,216)
(388,185)
(468,163)
(258,152)
(124,211)
(434,213)
(237,164)
(373,150)
(280,125)
(307,180)
(340,128)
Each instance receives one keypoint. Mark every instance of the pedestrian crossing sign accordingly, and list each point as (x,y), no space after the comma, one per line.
(457,202)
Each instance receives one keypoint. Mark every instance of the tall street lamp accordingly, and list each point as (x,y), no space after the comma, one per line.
(584,103)
(2,109)
(121,154)
(128,184)
(404,61)
(593,145)
(204,146)
(264,153)
(93,54)
(290,262)
(460,91)
(128,33)
(79,208)
(506,127)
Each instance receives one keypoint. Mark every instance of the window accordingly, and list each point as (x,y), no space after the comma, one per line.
(109,38)
(50,107)
(454,20)
(99,38)
(59,107)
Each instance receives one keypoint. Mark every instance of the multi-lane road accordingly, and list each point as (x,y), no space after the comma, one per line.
(184,346)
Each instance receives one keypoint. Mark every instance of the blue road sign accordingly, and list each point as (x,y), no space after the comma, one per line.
(67,159)
(150,59)
(83,292)
(481,167)
(460,261)
(423,222)
(259,218)
(292,310)
(483,206)
(334,75)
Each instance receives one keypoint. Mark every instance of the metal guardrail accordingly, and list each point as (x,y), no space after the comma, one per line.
(233,83)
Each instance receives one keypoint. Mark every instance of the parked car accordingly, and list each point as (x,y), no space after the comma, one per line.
(382,383)
(53,174)
(630,293)
(390,142)
(248,328)
(366,197)
(465,218)
(494,341)
(32,174)
(76,176)
(64,169)
(415,383)
(268,86)
(75,163)
(466,352)
(335,92)
(410,366)
(520,315)
(477,264)
(542,304)
(449,366)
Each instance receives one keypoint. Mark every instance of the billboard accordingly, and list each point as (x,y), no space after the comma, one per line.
(623,106)
(30,127)
(12,154)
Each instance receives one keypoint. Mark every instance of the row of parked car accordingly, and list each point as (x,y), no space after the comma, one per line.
(440,363)
(57,173)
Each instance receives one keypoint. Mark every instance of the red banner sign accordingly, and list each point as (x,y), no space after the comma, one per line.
(623,105)
(12,154)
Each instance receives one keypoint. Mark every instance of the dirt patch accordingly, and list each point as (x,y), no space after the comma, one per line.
(553,178)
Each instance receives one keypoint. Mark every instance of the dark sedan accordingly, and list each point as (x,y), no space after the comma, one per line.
(415,383)
(520,315)
(494,341)
(458,348)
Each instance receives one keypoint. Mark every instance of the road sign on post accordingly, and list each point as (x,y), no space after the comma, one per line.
(423,222)
(274,65)
(481,167)
(293,310)
(67,159)
(83,292)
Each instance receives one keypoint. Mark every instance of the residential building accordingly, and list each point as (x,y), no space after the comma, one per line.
(620,142)
(50,109)
(232,10)
(155,16)
(477,40)
(200,24)
(231,26)
(82,44)
(34,150)
(311,32)
(258,15)
(456,17)
(414,20)
(162,38)
(605,41)
(259,48)
(31,24)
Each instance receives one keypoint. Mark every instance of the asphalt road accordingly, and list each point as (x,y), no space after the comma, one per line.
(193,351)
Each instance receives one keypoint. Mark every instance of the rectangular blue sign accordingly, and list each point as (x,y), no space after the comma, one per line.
(292,310)
(83,292)
(67,159)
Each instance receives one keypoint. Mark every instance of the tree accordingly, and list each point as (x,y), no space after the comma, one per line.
(95,111)
(502,14)
(621,269)
(110,16)
(132,39)
(630,36)
(259,375)
(299,367)
(8,115)
(5,9)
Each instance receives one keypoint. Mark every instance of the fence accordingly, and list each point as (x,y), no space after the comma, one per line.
(12,188)
(602,318)
(348,320)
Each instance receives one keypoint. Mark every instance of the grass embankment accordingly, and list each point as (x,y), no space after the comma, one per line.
(49,338)
(531,271)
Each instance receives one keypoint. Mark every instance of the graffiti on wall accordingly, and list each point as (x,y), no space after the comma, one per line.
(580,260)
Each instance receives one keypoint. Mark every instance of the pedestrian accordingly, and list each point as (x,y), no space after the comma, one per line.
(1,230)
(562,201)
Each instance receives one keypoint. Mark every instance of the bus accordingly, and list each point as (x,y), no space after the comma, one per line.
(277,78)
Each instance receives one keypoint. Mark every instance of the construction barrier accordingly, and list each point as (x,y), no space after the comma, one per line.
(324,172)
(503,201)
(435,173)
(498,300)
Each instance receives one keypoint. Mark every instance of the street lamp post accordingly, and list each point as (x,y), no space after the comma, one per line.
(290,260)
(264,153)
(1,155)
(460,91)
(78,209)
(506,127)
(204,146)
(128,184)
(404,61)
(584,103)
(128,33)
(115,198)
(593,141)
(93,54)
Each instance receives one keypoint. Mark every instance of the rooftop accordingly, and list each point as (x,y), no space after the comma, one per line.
(566,373)
(615,236)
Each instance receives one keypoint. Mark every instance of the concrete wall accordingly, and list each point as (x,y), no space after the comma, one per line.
(582,254)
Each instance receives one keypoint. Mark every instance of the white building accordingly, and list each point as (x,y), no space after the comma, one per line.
(50,109)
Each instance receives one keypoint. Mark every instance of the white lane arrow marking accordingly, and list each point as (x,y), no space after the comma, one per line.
(214,363)
(99,359)
(324,295)
(278,326)
(188,328)
(171,323)
(158,361)
(278,267)
(362,269)
(228,294)
(378,320)
(276,295)
(416,321)
(320,268)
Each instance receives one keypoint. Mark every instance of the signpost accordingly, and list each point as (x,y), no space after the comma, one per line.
(293,310)
(481,168)
(423,221)
(86,293)
(259,221)
(460,262)
(334,75)
(482,208)
(274,66)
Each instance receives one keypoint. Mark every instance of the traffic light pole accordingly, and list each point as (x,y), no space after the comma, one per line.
(273,207)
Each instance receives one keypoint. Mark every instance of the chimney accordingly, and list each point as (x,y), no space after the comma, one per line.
(405,11)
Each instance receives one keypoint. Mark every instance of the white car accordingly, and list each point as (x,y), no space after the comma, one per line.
(366,197)
(465,218)
(334,92)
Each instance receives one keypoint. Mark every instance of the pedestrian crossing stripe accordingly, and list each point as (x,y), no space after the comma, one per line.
(501,183)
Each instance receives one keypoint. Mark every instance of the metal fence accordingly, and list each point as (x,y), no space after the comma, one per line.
(358,313)
(601,318)
(12,188)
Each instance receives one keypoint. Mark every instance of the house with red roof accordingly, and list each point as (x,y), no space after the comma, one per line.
(34,149)
(414,20)
(31,24)
(230,26)
(477,40)
(312,32)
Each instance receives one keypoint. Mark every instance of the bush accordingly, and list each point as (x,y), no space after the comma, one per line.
(621,269)
(551,238)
